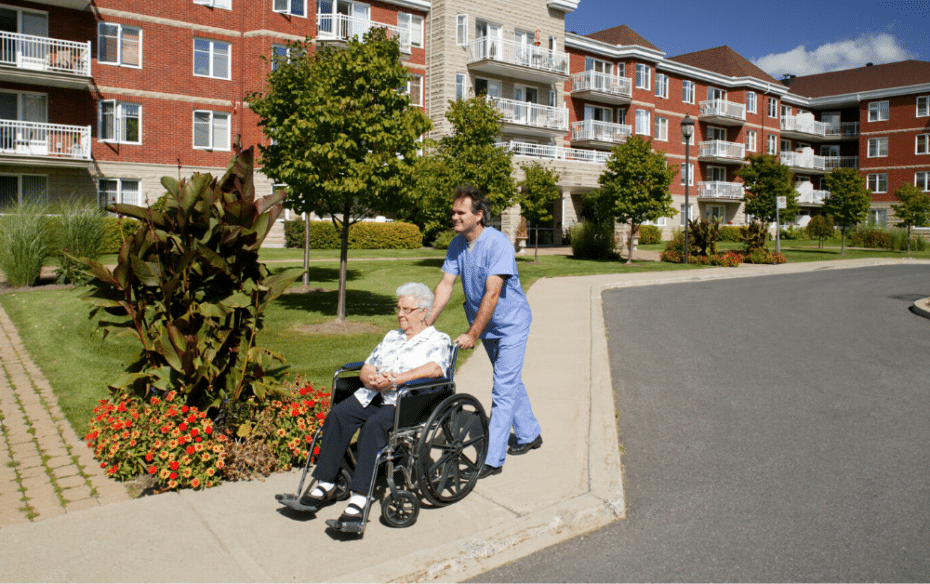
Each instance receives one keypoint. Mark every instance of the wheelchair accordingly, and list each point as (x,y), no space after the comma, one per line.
(436,448)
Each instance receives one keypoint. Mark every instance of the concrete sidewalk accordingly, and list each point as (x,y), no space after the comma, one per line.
(237,532)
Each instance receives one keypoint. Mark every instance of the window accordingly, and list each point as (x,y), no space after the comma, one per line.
(687,173)
(681,213)
(461,30)
(785,111)
(785,145)
(551,98)
(661,85)
(642,122)
(751,102)
(459,86)
(642,76)
(878,111)
(878,147)
(17,188)
(211,58)
(119,45)
(714,94)
(877,183)
(923,144)
(226,4)
(119,190)
(772,147)
(279,55)
(922,180)
(415,90)
(291,7)
(751,140)
(661,129)
(489,87)
(878,217)
(120,122)
(211,130)
(413,25)
(923,106)
(773,107)
(687,91)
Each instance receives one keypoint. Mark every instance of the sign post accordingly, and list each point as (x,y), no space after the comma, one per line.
(780,203)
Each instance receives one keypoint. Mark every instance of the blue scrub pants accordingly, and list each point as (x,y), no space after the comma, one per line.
(510,404)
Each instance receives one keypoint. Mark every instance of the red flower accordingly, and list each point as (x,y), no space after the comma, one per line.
(191,418)
(198,439)
(152,469)
(208,430)
(194,433)
(165,429)
(183,409)
(182,426)
(122,407)
(149,456)
(173,465)
(173,476)
(195,483)
(190,450)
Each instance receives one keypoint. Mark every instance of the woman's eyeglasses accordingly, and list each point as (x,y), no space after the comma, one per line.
(404,311)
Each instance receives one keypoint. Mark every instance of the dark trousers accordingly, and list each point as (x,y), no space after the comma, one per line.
(340,425)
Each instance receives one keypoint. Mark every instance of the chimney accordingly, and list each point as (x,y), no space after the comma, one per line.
(788,79)
(868,64)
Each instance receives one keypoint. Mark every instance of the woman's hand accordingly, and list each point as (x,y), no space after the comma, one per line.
(374,379)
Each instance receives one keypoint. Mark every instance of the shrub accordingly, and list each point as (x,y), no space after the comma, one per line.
(362,235)
(729,233)
(649,234)
(763,256)
(869,235)
(443,239)
(704,233)
(820,228)
(672,256)
(79,233)
(754,236)
(115,231)
(677,243)
(593,241)
(793,232)
(26,243)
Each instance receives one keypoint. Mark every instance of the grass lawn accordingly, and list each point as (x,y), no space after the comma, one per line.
(807,250)
(79,363)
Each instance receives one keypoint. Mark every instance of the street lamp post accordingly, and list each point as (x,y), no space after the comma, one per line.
(687,129)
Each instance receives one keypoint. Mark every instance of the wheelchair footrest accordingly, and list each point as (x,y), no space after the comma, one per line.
(293,502)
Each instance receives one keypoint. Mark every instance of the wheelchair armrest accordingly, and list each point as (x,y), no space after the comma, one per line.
(353,366)
(419,384)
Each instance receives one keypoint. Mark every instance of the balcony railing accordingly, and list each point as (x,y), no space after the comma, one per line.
(531,114)
(594,81)
(720,190)
(801,160)
(831,162)
(601,131)
(843,130)
(36,53)
(812,197)
(721,149)
(514,53)
(554,152)
(341,27)
(724,109)
(45,140)
(803,125)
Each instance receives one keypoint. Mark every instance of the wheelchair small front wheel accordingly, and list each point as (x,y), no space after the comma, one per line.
(400,509)
(343,479)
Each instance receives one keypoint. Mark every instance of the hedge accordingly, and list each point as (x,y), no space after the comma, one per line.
(649,234)
(115,230)
(362,235)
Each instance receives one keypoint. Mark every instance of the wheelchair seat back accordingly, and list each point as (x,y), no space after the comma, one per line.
(414,408)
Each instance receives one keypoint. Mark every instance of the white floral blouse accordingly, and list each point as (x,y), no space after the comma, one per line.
(396,354)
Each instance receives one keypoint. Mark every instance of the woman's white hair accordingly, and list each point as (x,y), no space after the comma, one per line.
(421,294)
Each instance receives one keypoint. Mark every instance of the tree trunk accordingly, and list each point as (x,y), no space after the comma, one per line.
(629,259)
(908,238)
(306,250)
(343,265)
(843,242)
(536,251)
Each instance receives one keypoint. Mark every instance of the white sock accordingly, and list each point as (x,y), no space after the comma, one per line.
(358,501)
(322,488)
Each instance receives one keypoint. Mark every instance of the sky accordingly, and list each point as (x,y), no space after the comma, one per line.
(780,36)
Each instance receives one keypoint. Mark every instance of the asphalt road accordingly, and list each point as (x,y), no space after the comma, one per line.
(775,429)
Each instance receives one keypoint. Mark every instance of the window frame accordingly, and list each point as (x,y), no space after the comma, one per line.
(661,85)
(460,86)
(660,128)
(689,170)
(213,115)
(224,4)
(773,107)
(877,147)
(120,191)
(119,120)
(926,106)
(415,31)
(643,75)
(119,44)
(211,56)
(681,212)
(19,176)
(643,113)
(751,102)
(880,178)
(751,141)
(771,145)
(410,84)
(875,114)
(290,5)
(687,91)
(926,180)
(925,138)
(461,30)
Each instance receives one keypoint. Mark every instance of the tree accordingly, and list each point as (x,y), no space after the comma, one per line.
(849,200)
(342,133)
(820,227)
(765,179)
(466,156)
(914,210)
(539,188)
(634,187)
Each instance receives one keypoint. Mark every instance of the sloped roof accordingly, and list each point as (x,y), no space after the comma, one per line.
(621,36)
(725,61)
(866,78)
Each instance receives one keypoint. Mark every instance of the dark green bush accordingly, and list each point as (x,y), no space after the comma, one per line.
(754,236)
(706,234)
(443,239)
(115,230)
(677,244)
(869,235)
(649,234)
(793,233)
(729,233)
(820,227)
(363,235)
(593,241)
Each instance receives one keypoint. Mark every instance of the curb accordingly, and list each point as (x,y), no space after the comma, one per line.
(921,307)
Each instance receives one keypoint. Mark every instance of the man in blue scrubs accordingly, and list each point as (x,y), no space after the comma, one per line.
(498,313)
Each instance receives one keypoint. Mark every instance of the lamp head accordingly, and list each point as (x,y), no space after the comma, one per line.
(687,126)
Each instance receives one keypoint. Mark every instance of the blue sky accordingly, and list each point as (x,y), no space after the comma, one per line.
(799,37)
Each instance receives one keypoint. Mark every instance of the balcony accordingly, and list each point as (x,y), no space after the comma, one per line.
(803,127)
(511,59)
(595,134)
(811,197)
(722,112)
(804,162)
(75,4)
(44,61)
(37,144)
(831,162)
(554,152)
(340,28)
(722,152)
(720,191)
(843,131)
(523,117)
(604,88)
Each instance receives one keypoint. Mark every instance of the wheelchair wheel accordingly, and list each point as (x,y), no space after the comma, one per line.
(401,509)
(452,449)
(342,485)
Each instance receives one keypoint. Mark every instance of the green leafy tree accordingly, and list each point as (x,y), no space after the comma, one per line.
(634,187)
(914,210)
(821,227)
(466,156)
(538,189)
(343,133)
(765,179)
(849,200)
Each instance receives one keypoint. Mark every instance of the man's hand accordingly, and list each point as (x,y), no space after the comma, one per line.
(466,341)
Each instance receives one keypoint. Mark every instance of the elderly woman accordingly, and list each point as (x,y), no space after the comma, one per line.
(413,351)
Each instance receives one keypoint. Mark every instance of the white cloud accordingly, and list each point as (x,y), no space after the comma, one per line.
(868,48)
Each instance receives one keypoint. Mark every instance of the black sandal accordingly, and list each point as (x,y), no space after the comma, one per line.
(313,503)
(348,522)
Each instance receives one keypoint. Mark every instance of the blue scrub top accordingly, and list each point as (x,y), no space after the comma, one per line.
(492,255)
